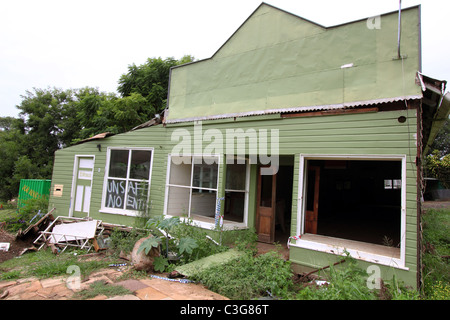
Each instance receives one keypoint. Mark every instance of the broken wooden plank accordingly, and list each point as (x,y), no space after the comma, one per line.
(35,226)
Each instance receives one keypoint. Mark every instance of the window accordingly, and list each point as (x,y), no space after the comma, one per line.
(236,191)
(350,202)
(127,180)
(192,187)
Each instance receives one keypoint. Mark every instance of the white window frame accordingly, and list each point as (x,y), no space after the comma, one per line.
(228,225)
(246,196)
(125,212)
(398,263)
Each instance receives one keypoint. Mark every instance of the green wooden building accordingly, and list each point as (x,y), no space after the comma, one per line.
(312,135)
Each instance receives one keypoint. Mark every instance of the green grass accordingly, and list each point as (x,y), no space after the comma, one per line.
(5,214)
(44,264)
(249,276)
(101,288)
(436,241)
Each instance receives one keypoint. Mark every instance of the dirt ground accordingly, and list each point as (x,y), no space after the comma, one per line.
(16,246)
(436,205)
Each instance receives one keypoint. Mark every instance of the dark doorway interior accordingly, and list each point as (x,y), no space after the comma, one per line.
(358,200)
(285,180)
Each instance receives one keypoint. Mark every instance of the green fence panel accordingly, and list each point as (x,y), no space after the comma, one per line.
(33,189)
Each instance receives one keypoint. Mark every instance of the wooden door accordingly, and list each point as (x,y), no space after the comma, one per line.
(265,209)
(81,195)
(312,200)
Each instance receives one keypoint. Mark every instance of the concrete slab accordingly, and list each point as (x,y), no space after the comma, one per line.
(51,282)
(124,297)
(4,284)
(132,285)
(150,293)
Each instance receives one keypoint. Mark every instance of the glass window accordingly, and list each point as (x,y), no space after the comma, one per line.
(235,192)
(140,164)
(193,185)
(118,163)
(127,179)
(235,176)
(192,188)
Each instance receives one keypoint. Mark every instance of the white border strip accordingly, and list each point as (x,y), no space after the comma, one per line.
(385,260)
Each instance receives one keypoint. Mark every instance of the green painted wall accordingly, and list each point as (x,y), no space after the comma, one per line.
(277,60)
(374,133)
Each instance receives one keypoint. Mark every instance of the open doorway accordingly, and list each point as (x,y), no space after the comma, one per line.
(284,203)
(274,203)
(358,200)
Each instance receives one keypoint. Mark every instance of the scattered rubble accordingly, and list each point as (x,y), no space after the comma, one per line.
(65,232)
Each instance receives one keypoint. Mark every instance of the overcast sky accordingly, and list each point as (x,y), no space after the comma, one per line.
(72,44)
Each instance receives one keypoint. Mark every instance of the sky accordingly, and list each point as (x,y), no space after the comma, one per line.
(70,44)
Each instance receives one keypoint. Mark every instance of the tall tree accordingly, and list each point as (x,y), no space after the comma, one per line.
(151,81)
(442,141)
(51,119)
(42,114)
(11,142)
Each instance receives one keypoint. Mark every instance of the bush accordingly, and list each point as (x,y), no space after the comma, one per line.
(249,277)
(439,291)
(124,240)
(21,218)
(346,283)
(187,242)
(436,243)
(438,167)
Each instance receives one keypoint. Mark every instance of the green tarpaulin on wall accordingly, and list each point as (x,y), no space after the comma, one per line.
(277,61)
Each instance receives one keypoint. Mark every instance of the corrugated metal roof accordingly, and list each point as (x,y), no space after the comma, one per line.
(153,122)
(348,105)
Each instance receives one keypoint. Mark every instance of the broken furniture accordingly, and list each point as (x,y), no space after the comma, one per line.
(69,231)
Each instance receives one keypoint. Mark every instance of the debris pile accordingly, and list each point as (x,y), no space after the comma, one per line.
(65,232)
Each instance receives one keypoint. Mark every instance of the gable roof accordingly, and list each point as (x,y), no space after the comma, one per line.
(279,62)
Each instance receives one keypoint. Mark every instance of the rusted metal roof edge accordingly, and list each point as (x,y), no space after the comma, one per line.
(347,105)
(96,137)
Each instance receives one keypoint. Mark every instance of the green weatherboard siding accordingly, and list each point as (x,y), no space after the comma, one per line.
(373,133)
(276,60)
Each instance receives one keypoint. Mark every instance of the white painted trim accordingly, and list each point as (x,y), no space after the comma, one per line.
(357,254)
(300,243)
(228,225)
(74,180)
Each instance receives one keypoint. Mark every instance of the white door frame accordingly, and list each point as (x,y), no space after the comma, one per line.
(74,180)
